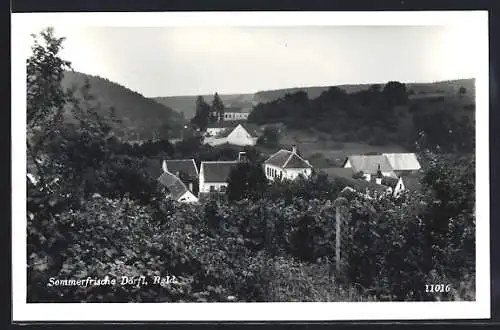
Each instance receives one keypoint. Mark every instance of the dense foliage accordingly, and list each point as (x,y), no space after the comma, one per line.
(96,213)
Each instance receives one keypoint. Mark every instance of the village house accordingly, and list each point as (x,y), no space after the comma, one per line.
(362,187)
(403,163)
(242,134)
(184,169)
(177,190)
(370,165)
(286,164)
(214,175)
(390,170)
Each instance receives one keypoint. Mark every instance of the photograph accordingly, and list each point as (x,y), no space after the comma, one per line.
(246,161)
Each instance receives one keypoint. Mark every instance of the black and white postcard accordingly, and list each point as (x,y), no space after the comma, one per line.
(250,166)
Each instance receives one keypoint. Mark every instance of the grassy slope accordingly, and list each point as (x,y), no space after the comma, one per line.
(138,113)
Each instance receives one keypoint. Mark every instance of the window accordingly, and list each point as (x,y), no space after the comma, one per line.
(223,188)
(212,188)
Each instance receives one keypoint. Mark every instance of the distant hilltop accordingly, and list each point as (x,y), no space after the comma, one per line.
(187,104)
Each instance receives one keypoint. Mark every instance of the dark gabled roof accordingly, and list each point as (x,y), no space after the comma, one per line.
(389,182)
(345,175)
(186,166)
(369,164)
(174,185)
(287,159)
(217,171)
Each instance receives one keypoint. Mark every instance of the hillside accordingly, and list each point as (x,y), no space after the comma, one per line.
(140,116)
(186,104)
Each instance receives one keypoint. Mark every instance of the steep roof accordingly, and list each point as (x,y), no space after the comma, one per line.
(186,166)
(252,129)
(216,171)
(287,159)
(368,164)
(389,182)
(403,161)
(174,185)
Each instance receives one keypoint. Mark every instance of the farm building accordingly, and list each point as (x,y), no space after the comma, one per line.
(177,190)
(377,185)
(243,134)
(403,163)
(214,175)
(369,165)
(185,169)
(286,164)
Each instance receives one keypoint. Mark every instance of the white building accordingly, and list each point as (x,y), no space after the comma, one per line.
(214,176)
(235,113)
(241,135)
(369,165)
(286,164)
(177,190)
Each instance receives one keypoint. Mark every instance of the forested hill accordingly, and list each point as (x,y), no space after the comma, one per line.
(447,87)
(381,114)
(187,104)
(141,117)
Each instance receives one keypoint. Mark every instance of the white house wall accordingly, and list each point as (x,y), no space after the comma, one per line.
(240,137)
(288,173)
(235,116)
(213,141)
(269,170)
(212,131)
(188,197)
(205,188)
(293,173)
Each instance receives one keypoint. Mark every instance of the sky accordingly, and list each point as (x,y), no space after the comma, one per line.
(194,60)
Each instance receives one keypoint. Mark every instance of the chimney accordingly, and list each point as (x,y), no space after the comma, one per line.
(294,148)
(378,178)
(164,166)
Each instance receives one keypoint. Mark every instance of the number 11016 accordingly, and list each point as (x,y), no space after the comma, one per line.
(437,288)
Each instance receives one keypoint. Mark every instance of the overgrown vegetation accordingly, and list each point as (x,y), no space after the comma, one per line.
(96,213)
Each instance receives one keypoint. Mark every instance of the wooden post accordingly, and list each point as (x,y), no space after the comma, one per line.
(338,219)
